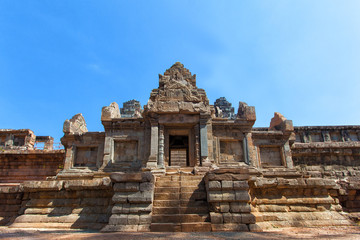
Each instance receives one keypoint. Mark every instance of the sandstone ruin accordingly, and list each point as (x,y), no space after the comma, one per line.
(181,164)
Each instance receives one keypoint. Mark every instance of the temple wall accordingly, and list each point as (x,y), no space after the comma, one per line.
(84,204)
(331,152)
(21,165)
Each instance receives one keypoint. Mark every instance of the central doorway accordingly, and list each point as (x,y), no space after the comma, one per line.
(179,151)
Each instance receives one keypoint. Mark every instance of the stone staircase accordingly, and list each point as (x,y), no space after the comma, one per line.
(180,204)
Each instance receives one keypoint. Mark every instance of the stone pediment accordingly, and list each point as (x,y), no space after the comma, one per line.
(177,87)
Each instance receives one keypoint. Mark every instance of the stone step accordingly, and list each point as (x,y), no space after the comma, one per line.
(95,226)
(166,196)
(167,184)
(181,227)
(168,178)
(200,188)
(180,189)
(183,196)
(189,183)
(180,218)
(70,218)
(167,190)
(165,227)
(67,202)
(177,203)
(181,210)
(195,196)
(191,177)
(196,227)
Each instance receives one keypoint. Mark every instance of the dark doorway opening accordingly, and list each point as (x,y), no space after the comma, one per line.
(179,151)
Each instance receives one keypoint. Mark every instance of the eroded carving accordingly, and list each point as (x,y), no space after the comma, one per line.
(76,125)
(110,112)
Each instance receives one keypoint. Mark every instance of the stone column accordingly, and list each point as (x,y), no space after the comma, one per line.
(108,152)
(161,147)
(287,153)
(204,151)
(246,149)
(250,151)
(197,145)
(154,144)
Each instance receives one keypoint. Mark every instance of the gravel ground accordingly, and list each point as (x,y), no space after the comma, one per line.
(349,233)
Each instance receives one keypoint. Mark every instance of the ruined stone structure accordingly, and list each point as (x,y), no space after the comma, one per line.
(181,164)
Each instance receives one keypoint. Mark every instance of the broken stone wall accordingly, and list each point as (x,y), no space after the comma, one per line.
(286,199)
(82,204)
(10,202)
(17,139)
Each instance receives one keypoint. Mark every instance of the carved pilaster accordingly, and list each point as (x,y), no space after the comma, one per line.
(197,145)
(204,150)
(161,147)
(154,144)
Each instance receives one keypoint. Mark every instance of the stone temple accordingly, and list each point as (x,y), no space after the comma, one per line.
(181,164)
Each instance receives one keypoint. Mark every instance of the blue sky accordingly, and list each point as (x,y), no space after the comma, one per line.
(59,58)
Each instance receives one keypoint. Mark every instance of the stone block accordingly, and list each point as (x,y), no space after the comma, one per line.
(119,187)
(227,217)
(147,177)
(265,182)
(143,228)
(97,183)
(224,207)
(121,219)
(309,208)
(216,218)
(227,185)
(146,186)
(287,183)
(36,186)
(132,186)
(141,197)
(230,227)
(247,218)
(273,208)
(315,182)
(228,196)
(236,218)
(214,185)
(119,209)
(241,185)
(140,208)
(126,177)
(135,197)
(239,207)
(242,196)
(214,196)
(133,219)
(145,219)
(120,197)
(255,228)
